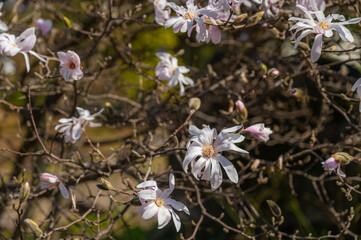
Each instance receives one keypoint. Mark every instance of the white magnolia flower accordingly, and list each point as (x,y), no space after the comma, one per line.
(168,69)
(323,26)
(357,86)
(259,131)
(71,127)
(11,45)
(158,204)
(271,8)
(162,13)
(49,180)
(187,17)
(204,153)
(3,26)
(70,65)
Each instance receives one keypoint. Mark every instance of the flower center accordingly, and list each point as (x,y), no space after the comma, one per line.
(159,202)
(171,70)
(189,15)
(323,25)
(72,66)
(208,151)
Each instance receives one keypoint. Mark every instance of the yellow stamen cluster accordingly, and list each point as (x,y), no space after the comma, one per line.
(189,15)
(323,25)
(208,151)
(159,202)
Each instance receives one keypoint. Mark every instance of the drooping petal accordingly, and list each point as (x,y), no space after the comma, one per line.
(164,216)
(177,205)
(316,48)
(216,175)
(176,220)
(27,61)
(63,190)
(191,154)
(228,167)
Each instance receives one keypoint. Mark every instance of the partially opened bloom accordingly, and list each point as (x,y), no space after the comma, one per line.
(187,17)
(70,65)
(204,156)
(45,25)
(331,165)
(50,180)
(323,26)
(259,131)
(313,5)
(168,69)
(162,13)
(357,86)
(71,127)
(158,204)
(11,45)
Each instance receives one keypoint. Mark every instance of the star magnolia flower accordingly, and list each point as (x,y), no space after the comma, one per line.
(323,26)
(44,25)
(71,127)
(187,17)
(203,152)
(315,5)
(70,65)
(162,13)
(156,203)
(50,180)
(331,165)
(228,4)
(357,86)
(271,8)
(3,26)
(11,45)
(168,69)
(259,131)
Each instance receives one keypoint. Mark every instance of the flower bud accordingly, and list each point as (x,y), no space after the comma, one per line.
(34,227)
(194,104)
(242,111)
(106,184)
(254,19)
(275,209)
(273,73)
(24,192)
(342,158)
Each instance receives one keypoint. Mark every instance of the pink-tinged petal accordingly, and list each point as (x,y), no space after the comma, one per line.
(147,194)
(62,56)
(27,61)
(44,25)
(316,48)
(176,220)
(45,185)
(66,73)
(77,74)
(169,190)
(216,35)
(37,56)
(330,164)
(150,211)
(164,217)
(228,167)
(177,205)
(340,173)
(63,190)
(26,40)
(49,179)
(76,131)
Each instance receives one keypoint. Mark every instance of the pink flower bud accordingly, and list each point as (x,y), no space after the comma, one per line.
(259,131)
(273,73)
(242,111)
(50,180)
(44,25)
(24,192)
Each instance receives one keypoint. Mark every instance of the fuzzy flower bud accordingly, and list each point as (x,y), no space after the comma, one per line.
(273,73)
(24,192)
(105,184)
(34,227)
(194,104)
(242,112)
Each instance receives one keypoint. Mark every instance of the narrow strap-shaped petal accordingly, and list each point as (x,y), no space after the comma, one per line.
(37,56)
(176,220)
(164,217)
(316,48)
(63,190)
(27,61)
(228,167)
(169,190)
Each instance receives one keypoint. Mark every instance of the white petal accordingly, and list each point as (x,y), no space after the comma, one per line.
(150,211)
(169,190)
(164,217)
(149,183)
(316,48)
(356,85)
(27,61)
(176,220)
(177,205)
(216,174)
(229,168)
(63,190)
(191,154)
(147,194)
